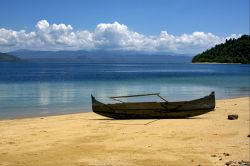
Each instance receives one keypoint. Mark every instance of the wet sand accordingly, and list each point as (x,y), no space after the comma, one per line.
(89,139)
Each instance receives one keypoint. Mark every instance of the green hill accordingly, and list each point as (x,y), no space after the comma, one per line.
(232,51)
(6,57)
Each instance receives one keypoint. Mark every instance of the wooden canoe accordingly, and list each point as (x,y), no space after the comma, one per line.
(154,110)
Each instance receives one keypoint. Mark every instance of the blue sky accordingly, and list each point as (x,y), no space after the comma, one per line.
(222,18)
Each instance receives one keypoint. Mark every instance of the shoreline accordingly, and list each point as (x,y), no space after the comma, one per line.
(89,111)
(87,139)
(41,116)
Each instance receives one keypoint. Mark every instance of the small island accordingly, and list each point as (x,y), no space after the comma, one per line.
(8,58)
(232,51)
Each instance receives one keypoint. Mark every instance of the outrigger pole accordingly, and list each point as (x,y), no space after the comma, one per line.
(139,95)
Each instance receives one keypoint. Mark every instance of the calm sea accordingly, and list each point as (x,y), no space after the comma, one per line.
(37,89)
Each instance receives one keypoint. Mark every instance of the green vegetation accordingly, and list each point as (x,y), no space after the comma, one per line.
(8,58)
(232,51)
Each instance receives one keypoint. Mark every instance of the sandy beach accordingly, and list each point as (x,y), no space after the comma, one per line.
(89,139)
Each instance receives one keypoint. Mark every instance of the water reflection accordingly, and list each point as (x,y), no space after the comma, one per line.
(44,95)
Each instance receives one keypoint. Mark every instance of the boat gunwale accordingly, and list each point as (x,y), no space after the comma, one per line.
(172,102)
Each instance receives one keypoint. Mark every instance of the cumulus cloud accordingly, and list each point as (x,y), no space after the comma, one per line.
(114,36)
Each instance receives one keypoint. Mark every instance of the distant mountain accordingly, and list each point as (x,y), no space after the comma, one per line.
(232,51)
(100,56)
(8,58)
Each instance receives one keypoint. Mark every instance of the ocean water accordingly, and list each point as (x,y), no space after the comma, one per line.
(38,89)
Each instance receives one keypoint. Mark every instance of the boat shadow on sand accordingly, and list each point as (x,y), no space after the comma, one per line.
(138,121)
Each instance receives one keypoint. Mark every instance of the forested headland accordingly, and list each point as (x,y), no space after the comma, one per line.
(232,51)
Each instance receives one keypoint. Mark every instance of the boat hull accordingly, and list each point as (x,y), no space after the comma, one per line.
(155,110)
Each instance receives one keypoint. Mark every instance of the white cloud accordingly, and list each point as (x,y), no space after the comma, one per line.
(43,24)
(106,36)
